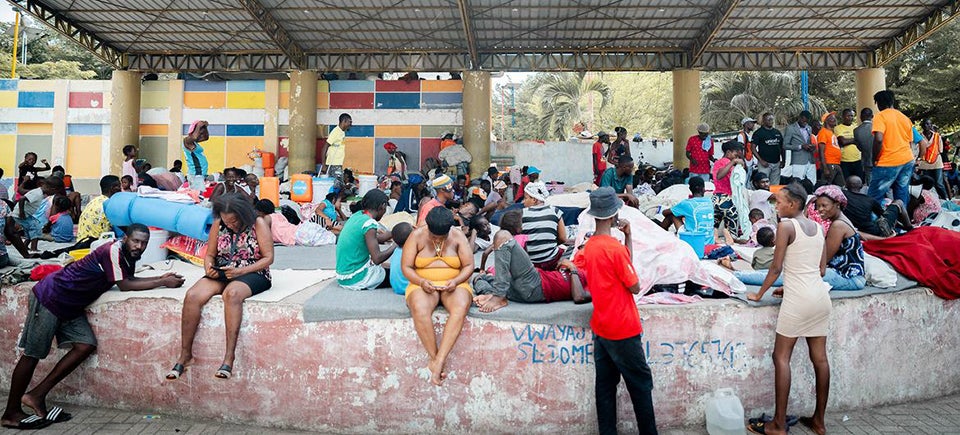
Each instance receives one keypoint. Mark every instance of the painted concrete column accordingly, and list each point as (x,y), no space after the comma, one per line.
(476,119)
(303,121)
(869,82)
(686,112)
(175,124)
(124,115)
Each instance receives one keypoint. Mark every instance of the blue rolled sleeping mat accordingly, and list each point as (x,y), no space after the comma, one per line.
(191,220)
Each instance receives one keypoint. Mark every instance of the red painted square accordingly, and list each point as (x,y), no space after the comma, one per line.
(398,86)
(86,100)
(429,147)
(351,100)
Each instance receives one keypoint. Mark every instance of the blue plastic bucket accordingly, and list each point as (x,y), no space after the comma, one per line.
(697,241)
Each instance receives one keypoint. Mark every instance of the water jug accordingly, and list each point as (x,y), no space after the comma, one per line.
(725,413)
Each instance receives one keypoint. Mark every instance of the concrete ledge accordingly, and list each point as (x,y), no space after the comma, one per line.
(364,376)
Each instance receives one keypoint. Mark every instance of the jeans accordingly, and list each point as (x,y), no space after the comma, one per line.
(833,278)
(937,175)
(616,358)
(886,178)
(772,171)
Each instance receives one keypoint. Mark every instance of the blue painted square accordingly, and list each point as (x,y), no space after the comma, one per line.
(409,146)
(35,100)
(246,86)
(397,100)
(8,85)
(84,129)
(356,130)
(442,99)
(8,128)
(213,129)
(204,86)
(352,86)
(245,130)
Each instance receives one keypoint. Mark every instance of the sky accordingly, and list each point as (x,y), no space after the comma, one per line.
(6,14)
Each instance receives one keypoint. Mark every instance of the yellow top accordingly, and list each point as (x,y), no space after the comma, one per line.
(93,220)
(849,153)
(335,147)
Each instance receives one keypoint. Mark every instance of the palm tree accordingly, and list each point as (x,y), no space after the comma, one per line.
(729,97)
(560,99)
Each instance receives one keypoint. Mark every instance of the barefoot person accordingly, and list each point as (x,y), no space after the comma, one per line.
(617,350)
(517,280)
(237,266)
(57,309)
(805,311)
(437,260)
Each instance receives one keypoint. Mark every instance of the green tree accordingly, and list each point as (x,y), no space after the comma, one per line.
(641,102)
(52,56)
(561,100)
(728,97)
(925,78)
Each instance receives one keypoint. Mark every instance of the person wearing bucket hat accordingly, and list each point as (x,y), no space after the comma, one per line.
(617,347)
(543,225)
(599,163)
(699,151)
(443,186)
(396,160)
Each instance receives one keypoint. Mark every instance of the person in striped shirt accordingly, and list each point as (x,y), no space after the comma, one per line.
(543,226)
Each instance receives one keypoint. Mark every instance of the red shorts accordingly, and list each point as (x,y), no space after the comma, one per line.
(556,285)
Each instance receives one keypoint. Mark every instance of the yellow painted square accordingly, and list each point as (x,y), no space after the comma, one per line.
(237,148)
(215,152)
(8,98)
(284,85)
(154,100)
(323,86)
(359,154)
(396,131)
(41,129)
(8,154)
(83,156)
(156,86)
(205,100)
(246,100)
(284,102)
(153,129)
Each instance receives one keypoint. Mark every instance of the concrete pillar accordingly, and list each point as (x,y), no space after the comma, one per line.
(124,116)
(869,82)
(686,112)
(175,123)
(303,121)
(476,119)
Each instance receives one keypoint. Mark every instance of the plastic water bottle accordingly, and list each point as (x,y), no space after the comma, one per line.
(725,413)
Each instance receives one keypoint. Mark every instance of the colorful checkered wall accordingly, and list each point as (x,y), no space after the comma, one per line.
(68,122)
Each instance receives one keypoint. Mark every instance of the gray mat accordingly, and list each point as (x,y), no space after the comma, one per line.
(333,303)
(304,257)
(903,283)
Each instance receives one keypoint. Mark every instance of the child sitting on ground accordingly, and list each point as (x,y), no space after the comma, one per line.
(32,209)
(758,221)
(400,234)
(763,257)
(59,226)
(126,183)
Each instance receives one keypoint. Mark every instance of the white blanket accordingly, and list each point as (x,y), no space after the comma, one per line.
(285,283)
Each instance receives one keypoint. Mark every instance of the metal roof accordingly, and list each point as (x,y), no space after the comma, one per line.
(528,35)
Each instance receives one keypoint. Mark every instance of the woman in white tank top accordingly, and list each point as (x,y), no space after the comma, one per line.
(805,311)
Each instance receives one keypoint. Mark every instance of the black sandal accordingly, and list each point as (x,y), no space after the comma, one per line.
(176,372)
(224,372)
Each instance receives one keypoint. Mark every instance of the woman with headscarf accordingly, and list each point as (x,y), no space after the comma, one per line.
(844,247)
(196,160)
(397,160)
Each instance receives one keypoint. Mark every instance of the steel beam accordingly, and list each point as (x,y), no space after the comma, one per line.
(917,32)
(468,31)
(709,31)
(784,60)
(87,39)
(271,27)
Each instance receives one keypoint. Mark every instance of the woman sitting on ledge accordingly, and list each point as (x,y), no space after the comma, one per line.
(237,265)
(844,246)
(437,260)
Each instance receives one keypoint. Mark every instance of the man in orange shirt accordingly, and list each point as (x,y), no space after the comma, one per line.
(893,158)
(830,150)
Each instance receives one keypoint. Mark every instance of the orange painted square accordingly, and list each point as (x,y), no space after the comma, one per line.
(359,154)
(284,102)
(83,156)
(153,129)
(44,129)
(237,148)
(205,100)
(397,131)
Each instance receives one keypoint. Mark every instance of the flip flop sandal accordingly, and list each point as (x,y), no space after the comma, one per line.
(791,419)
(58,415)
(224,372)
(32,422)
(176,372)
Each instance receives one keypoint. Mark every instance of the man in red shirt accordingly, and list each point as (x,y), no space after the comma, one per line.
(599,162)
(700,152)
(617,349)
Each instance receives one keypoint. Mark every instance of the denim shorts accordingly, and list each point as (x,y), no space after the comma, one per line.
(41,326)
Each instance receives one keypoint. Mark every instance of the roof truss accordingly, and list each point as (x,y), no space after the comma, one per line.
(277,33)
(917,32)
(56,21)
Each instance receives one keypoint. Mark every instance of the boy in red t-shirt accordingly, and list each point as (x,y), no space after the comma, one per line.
(617,349)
